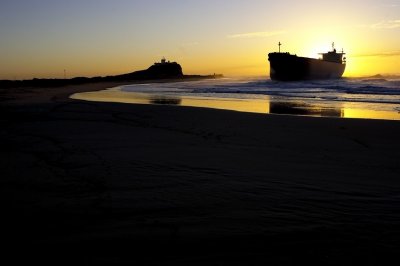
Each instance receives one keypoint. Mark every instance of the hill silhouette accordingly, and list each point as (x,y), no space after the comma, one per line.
(163,70)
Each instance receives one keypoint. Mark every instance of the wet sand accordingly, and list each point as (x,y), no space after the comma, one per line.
(86,183)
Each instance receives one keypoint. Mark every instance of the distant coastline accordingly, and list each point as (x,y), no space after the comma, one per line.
(159,71)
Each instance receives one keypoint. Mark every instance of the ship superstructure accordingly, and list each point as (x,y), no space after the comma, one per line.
(287,67)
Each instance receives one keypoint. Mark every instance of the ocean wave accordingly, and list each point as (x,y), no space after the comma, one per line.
(374,90)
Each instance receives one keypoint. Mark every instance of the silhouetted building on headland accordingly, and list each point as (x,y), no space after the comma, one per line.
(166,69)
(288,67)
(159,70)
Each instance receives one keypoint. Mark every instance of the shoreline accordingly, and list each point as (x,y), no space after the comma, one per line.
(264,104)
(21,95)
(97,183)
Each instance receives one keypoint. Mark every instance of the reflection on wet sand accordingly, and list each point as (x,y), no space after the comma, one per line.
(264,105)
(114,95)
(241,105)
(350,112)
(165,100)
(298,108)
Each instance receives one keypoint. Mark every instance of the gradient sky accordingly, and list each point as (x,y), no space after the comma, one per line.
(41,38)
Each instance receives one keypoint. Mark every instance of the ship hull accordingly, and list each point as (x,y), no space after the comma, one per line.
(287,67)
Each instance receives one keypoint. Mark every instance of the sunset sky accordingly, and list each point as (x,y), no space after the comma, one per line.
(41,38)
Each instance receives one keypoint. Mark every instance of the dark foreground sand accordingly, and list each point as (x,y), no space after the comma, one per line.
(100,183)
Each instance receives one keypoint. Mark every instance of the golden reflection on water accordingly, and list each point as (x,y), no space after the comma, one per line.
(264,105)
(351,112)
(241,105)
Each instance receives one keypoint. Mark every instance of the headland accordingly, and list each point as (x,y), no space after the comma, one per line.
(159,71)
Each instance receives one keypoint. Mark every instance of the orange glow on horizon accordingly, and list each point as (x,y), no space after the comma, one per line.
(89,40)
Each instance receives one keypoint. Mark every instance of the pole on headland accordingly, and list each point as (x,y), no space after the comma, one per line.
(279,44)
(65,74)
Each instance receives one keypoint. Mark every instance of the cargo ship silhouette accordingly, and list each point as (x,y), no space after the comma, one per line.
(288,67)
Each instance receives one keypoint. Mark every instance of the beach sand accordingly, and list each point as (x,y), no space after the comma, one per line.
(86,183)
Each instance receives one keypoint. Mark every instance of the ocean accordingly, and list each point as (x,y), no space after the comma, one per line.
(369,98)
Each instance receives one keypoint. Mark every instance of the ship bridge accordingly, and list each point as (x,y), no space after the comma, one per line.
(334,56)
